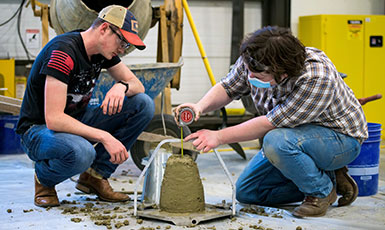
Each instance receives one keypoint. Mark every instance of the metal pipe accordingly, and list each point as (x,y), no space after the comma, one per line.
(228,176)
(145,169)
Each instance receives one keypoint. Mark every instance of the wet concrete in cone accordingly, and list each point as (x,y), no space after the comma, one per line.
(182,189)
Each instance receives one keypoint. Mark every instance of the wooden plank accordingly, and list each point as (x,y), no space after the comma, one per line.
(9,108)
(167,100)
(162,37)
(174,8)
(44,24)
(10,100)
(152,137)
(163,56)
(167,107)
(10,105)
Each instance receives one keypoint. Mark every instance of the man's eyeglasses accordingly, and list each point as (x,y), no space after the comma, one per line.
(122,42)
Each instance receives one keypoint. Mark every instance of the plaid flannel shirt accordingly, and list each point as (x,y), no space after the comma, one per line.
(318,96)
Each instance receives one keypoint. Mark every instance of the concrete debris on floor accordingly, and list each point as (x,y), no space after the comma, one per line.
(82,211)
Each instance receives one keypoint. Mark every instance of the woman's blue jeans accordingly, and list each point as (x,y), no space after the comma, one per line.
(294,163)
(59,156)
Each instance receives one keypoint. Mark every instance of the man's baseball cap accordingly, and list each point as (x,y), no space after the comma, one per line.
(125,20)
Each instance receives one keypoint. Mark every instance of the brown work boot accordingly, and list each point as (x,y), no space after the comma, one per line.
(45,196)
(315,206)
(346,186)
(99,186)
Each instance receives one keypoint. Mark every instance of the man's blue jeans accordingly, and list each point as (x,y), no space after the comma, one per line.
(293,163)
(59,156)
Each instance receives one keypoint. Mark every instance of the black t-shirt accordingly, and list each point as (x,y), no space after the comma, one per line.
(65,59)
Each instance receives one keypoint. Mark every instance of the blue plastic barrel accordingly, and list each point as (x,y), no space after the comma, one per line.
(364,169)
(9,140)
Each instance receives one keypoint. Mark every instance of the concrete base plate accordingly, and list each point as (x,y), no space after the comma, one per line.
(186,219)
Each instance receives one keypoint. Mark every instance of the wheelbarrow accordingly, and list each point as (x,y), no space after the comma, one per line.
(154,77)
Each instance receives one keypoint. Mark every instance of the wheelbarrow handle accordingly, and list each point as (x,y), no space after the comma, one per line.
(365,100)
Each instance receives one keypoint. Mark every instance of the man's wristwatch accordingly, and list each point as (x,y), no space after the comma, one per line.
(126,84)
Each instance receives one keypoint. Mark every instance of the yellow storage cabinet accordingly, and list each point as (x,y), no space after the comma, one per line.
(7,77)
(355,45)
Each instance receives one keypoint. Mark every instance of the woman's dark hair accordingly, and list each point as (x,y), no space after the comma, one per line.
(274,50)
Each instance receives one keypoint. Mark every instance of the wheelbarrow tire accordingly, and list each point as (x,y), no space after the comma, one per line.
(141,149)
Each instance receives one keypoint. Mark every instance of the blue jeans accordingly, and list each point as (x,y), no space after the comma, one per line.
(294,163)
(59,156)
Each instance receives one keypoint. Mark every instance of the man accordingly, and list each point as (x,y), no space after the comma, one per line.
(309,119)
(58,130)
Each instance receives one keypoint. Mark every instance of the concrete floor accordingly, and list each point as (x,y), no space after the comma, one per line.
(17,210)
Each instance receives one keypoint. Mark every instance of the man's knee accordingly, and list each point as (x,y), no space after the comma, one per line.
(80,156)
(243,198)
(247,196)
(244,192)
(274,145)
(147,106)
(241,193)
(273,138)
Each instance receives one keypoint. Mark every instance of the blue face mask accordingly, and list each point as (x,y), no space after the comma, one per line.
(258,83)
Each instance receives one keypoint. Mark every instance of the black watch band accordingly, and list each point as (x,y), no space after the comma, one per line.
(126,84)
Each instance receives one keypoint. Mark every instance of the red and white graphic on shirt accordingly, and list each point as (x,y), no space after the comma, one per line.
(61,61)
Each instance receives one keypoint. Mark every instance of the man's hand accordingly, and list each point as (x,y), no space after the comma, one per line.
(116,149)
(113,102)
(197,110)
(205,140)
